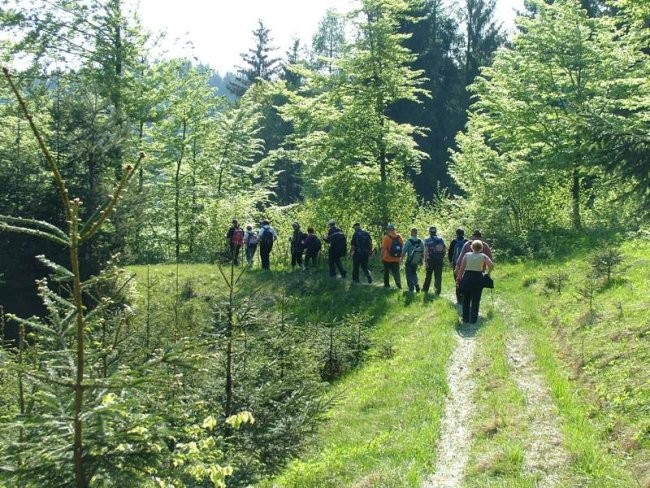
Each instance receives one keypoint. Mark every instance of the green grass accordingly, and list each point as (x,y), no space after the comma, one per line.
(499,427)
(384,428)
(594,363)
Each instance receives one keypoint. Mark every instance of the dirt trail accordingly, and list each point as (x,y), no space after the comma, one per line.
(545,456)
(455,440)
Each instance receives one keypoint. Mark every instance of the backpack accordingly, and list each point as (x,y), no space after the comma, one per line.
(237,237)
(266,236)
(338,244)
(252,238)
(435,248)
(395,247)
(416,254)
(363,243)
(298,242)
(458,248)
(312,244)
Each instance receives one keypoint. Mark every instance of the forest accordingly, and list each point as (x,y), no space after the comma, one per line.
(137,354)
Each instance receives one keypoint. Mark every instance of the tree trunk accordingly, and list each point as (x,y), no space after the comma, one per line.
(575,200)
(177,196)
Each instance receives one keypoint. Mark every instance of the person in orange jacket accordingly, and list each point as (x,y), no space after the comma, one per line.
(391,255)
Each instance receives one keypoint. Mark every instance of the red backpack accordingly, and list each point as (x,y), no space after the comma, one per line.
(237,237)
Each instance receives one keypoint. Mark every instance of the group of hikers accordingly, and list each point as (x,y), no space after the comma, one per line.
(470,259)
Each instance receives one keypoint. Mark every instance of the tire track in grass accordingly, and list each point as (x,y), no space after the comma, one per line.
(545,456)
(456,437)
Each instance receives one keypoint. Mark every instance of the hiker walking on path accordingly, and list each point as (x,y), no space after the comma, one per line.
(434,255)
(250,242)
(336,239)
(361,249)
(391,255)
(455,248)
(476,235)
(470,279)
(297,240)
(413,255)
(312,248)
(267,237)
(235,239)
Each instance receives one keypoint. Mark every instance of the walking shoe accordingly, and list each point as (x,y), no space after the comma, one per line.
(417,288)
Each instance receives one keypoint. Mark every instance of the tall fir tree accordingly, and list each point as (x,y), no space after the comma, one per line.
(259,62)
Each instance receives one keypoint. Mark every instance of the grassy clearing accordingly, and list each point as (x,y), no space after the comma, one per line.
(384,428)
(385,425)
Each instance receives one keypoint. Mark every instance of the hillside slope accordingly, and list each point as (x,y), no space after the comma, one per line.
(559,386)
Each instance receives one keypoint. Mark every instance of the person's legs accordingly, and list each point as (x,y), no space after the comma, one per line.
(265,252)
(364,266)
(398,279)
(427,279)
(466,297)
(476,302)
(411,277)
(339,265)
(416,281)
(252,248)
(437,274)
(386,274)
(331,261)
(356,263)
(232,252)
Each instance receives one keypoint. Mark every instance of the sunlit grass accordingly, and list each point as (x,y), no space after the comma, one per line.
(384,429)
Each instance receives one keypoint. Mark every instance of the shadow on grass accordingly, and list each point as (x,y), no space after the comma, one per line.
(316,297)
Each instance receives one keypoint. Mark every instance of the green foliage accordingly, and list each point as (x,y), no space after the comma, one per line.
(605,261)
(592,356)
(383,428)
(343,131)
(528,148)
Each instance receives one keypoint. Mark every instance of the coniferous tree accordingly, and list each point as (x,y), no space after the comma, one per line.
(435,40)
(260,62)
(328,42)
(483,35)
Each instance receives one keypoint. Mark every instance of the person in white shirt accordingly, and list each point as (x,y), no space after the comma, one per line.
(470,280)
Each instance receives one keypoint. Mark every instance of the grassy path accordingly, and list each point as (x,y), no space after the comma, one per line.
(545,457)
(456,438)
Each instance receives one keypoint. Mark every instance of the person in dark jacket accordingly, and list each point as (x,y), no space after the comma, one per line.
(297,240)
(434,256)
(336,239)
(235,239)
(455,248)
(361,249)
(312,248)
(267,237)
